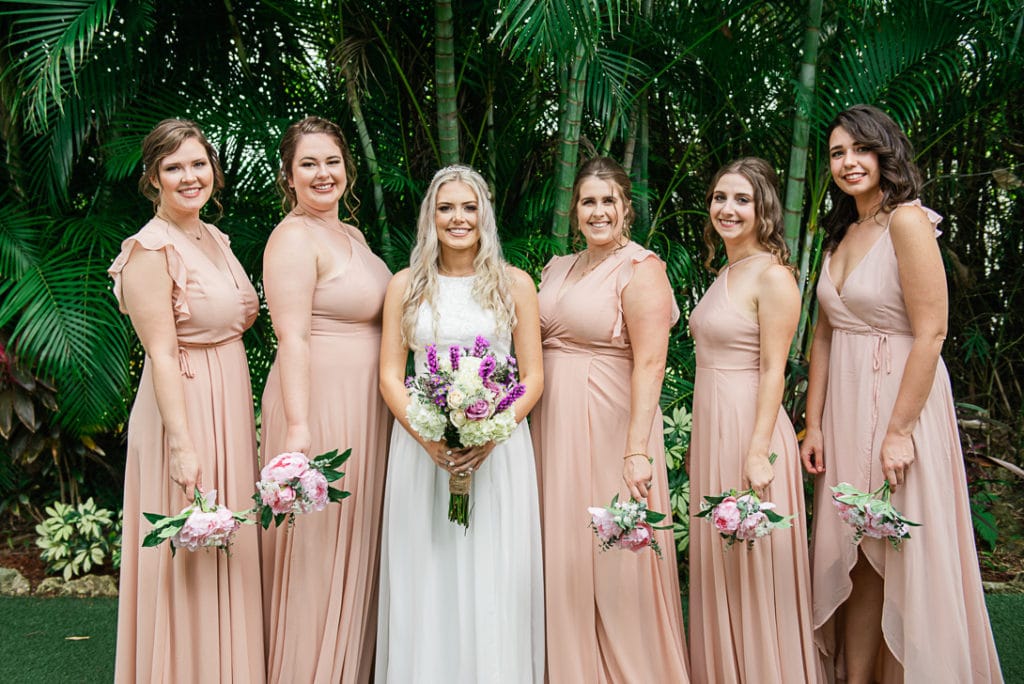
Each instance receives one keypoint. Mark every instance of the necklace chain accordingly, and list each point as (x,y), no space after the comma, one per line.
(198,236)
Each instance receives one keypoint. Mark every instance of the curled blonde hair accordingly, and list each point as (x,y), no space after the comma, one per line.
(492,288)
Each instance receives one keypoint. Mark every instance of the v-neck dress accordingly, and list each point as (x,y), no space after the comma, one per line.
(195,617)
(320,574)
(612,616)
(750,609)
(934,619)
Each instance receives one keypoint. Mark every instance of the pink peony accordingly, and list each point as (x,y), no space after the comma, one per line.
(726,516)
(604,524)
(750,526)
(638,538)
(285,467)
(478,410)
(206,528)
(314,489)
(280,498)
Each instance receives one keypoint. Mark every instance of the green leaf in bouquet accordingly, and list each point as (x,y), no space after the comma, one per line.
(332,475)
(654,517)
(266,516)
(154,518)
(336,495)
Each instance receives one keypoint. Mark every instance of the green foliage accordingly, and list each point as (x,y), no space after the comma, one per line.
(74,539)
(985,523)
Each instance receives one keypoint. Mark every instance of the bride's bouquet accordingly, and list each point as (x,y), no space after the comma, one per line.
(202,524)
(871,514)
(465,400)
(291,483)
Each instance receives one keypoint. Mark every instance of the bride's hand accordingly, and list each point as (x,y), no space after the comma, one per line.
(442,454)
(469,460)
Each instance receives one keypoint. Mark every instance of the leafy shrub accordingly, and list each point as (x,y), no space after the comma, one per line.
(76,538)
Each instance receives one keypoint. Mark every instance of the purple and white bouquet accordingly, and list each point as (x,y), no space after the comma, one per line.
(628,525)
(871,514)
(291,483)
(464,399)
(202,524)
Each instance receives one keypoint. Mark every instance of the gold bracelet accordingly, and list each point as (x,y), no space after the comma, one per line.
(639,453)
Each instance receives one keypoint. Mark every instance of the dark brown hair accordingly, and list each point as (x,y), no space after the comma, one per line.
(309,126)
(900,180)
(610,171)
(165,139)
(767,207)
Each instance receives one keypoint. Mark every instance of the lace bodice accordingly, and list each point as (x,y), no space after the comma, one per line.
(459,321)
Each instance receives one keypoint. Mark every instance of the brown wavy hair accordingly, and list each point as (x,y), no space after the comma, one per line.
(286,150)
(165,139)
(900,179)
(610,171)
(767,207)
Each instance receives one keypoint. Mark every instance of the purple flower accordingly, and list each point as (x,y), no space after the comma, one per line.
(487,365)
(454,352)
(478,410)
(432,358)
(510,398)
(480,345)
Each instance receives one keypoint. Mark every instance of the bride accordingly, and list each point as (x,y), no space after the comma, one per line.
(458,604)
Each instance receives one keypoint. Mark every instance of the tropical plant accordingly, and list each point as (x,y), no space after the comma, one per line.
(75,539)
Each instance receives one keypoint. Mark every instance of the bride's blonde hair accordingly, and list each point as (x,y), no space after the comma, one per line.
(492,288)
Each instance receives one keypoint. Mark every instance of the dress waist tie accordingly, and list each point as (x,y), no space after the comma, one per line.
(185,362)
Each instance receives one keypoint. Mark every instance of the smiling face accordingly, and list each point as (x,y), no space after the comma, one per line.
(600,211)
(854,167)
(318,172)
(185,179)
(732,209)
(456,216)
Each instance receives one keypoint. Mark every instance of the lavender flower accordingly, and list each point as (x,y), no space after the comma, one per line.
(487,365)
(432,359)
(510,398)
(480,346)
(454,352)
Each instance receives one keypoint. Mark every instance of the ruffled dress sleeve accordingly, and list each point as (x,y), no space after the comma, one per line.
(624,275)
(934,217)
(151,237)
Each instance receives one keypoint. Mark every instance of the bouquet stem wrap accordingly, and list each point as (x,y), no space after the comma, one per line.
(458,501)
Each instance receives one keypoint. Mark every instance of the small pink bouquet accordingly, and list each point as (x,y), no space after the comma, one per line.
(291,483)
(202,524)
(628,525)
(464,399)
(871,514)
(742,516)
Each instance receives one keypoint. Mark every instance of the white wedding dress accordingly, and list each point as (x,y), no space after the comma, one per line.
(460,606)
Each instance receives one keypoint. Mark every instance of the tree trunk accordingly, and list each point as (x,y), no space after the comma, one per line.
(568,146)
(444,69)
(370,155)
(797,177)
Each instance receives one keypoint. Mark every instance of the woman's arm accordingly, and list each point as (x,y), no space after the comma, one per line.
(812,449)
(778,311)
(526,340)
(647,310)
(147,290)
(923,280)
(289,279)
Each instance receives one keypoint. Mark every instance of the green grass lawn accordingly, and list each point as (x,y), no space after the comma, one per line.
(40,639)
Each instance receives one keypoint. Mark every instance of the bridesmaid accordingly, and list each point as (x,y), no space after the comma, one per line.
(325,290)
(194,617)
(605,316)
(743,327)
(879,407)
